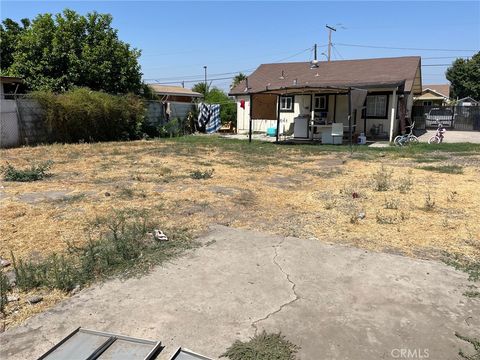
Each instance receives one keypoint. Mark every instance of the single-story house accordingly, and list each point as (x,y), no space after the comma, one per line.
(175,102)
(467,101)
(175,93)
(433,95)
(309,95)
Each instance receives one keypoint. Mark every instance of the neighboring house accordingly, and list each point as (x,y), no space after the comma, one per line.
(467,101)
(175,93)
(9,85)
(175,102)
(433,95)
(282,93)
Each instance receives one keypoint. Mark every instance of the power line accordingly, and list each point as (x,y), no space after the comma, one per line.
(228,73)
(401,48)
(190,81)
(336,51)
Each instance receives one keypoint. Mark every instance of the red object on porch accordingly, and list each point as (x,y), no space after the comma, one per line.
(242,104)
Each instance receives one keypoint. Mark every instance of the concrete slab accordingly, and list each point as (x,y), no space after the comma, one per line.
(454,136)
(335,302)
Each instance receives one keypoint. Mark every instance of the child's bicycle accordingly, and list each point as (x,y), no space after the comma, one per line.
(438,137)
(405,139)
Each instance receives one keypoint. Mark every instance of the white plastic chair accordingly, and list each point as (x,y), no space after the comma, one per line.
(337,132)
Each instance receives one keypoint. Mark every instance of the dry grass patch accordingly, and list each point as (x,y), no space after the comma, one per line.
(304,191)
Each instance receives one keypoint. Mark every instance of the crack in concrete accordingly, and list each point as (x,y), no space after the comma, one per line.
(293,285)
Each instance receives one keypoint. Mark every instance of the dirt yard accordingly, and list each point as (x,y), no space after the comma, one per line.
(416,201)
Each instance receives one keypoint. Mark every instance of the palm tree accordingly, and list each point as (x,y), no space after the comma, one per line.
(237,79)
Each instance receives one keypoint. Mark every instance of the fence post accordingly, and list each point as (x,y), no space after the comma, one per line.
(453,116)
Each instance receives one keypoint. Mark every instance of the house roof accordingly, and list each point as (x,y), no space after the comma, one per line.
(11,80)
(441,89)
(173,90)
(383,72)
(468,99)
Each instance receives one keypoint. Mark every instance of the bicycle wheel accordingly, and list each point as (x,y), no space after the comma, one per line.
(398,140)
(413,139)
(434,140)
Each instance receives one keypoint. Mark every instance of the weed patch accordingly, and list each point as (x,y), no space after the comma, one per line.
(4,288)
(117,244)
(33,173)
(429,204)
(391,204)
(382,179)
(262,347)
(476,346)
(386,219)
(202,175)
(446,169)
(405,184)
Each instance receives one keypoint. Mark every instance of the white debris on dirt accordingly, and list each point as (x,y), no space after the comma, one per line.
(159,235)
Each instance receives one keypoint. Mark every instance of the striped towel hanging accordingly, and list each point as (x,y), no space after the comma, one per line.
(214,122)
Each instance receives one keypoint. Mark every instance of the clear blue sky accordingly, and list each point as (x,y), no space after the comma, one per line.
(178,38)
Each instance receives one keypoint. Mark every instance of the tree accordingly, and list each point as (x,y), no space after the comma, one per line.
(70,50)
(200,88)
(228,108)
(10,31)
(464,75)
(237,79)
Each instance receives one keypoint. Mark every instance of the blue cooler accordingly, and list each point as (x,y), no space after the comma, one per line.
(271,131)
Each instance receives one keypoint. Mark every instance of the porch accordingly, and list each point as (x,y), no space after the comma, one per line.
(323,115)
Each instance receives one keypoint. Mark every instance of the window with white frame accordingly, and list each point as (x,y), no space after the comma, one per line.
(286,103)
(377,106)
(320,102)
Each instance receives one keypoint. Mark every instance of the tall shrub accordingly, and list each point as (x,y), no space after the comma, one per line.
(82,114)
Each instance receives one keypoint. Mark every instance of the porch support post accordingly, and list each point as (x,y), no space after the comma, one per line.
(335,108)
(392,113)
(278,116)
(350,135)
(250,122)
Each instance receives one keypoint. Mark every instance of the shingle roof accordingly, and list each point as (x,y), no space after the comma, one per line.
(343,73)
(442,89)
(173,90)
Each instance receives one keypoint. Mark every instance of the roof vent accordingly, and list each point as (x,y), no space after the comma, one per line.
(294,81)
(314,64)
(282,77)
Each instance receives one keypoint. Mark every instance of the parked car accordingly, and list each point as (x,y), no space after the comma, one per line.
(438,115)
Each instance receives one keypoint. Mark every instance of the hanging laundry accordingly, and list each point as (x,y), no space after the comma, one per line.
(203,115)
(214,122)
(209,117)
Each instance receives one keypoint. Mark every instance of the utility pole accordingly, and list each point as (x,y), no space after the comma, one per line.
(315,52)
(205,67)
(330,29)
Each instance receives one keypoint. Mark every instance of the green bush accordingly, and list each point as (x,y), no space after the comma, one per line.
(4,288)
(33,173)
(85,115)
